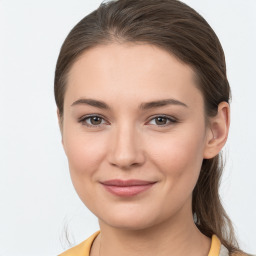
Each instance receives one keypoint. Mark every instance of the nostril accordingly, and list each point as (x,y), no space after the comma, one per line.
(126,161)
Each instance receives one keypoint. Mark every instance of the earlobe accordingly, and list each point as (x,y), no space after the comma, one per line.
(218,131)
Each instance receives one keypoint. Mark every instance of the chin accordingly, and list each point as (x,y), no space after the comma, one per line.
(131,221)
(131,225)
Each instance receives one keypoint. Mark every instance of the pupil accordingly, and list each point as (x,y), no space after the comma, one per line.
(161,120)
(95,120)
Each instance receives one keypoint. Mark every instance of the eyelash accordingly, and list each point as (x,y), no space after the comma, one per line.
(170,120)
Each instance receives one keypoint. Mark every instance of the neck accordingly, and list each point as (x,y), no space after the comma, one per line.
(178,235)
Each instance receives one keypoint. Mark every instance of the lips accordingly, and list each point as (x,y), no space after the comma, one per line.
(126,183)
(126,188)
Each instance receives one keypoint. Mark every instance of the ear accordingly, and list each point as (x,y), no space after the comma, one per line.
(60,124)
(218,129)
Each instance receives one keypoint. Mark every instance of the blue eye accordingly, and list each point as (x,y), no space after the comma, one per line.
(92,120)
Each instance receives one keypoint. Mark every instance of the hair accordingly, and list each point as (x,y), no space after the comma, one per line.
(181,31)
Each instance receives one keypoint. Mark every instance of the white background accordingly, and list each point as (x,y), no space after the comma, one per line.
(37,199)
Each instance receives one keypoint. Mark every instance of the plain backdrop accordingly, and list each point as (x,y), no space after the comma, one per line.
(37,199)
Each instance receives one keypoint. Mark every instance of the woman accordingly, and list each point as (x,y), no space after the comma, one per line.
(143,108)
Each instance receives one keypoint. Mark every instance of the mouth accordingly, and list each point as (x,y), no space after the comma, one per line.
(127,188)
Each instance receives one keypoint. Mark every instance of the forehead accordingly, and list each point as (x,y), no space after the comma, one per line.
(130,71)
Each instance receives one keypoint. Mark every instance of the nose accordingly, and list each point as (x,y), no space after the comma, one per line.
(126,148)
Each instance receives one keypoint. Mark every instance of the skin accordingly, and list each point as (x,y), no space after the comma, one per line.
(129,143)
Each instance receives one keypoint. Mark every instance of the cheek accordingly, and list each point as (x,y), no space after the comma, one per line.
(179,156)
(85,153)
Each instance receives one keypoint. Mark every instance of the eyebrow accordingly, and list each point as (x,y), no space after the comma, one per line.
(143,106)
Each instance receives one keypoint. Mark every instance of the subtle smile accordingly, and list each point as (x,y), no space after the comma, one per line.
(126,188)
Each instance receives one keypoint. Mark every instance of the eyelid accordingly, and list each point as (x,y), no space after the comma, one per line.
(172,120)
(90,115)
(83,120)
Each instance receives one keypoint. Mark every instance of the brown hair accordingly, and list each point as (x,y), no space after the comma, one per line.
(180,30)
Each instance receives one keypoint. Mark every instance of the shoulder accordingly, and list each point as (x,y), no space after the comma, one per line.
(218,249)
(241,254)
(82,249)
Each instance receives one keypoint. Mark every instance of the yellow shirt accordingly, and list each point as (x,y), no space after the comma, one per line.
(83,249)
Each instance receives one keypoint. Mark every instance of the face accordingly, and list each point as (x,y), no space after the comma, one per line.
(134,134)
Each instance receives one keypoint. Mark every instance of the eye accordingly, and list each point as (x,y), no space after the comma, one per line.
(162,120)
(92,120)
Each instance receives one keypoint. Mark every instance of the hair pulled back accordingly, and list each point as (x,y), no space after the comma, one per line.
(180,30)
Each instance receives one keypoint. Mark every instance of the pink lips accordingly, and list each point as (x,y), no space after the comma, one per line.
(127,188)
